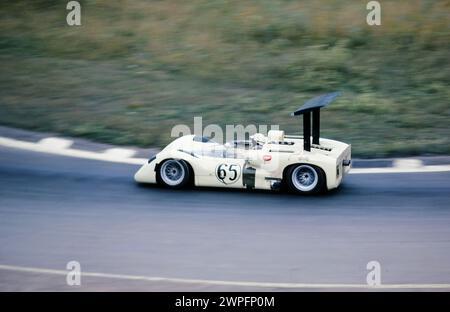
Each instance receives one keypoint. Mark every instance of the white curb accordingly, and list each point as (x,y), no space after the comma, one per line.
(60,147)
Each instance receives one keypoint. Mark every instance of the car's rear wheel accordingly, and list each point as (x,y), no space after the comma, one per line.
(173,173)
(305,179)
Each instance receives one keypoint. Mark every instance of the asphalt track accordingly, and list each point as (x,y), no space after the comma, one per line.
(54,209)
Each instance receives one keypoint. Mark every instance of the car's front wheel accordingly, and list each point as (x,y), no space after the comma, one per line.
(173,173)
(305,179)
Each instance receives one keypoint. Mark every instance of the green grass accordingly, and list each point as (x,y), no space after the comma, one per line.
(134,69)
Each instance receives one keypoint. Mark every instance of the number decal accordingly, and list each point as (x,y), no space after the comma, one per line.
(228,173)
(233,169)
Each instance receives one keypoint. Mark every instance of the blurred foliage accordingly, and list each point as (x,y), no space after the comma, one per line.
(134,69)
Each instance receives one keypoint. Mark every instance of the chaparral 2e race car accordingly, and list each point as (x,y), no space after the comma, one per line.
(264,162)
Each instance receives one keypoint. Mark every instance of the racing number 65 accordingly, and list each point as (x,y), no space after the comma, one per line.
(228,173)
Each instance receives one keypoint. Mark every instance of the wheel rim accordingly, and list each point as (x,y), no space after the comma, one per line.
(172,172)
(304,178)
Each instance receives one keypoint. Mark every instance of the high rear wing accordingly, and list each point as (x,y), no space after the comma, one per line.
(314,105)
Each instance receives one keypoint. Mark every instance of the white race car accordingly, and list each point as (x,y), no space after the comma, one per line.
(263,162)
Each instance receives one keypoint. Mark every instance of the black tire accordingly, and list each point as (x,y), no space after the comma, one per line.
(179,176)
(305,179)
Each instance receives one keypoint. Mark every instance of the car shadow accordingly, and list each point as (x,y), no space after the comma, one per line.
(222,190)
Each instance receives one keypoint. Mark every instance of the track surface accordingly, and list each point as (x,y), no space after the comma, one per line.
(55,209)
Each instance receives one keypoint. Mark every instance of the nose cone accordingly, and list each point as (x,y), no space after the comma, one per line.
(139,176)
(146,174)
